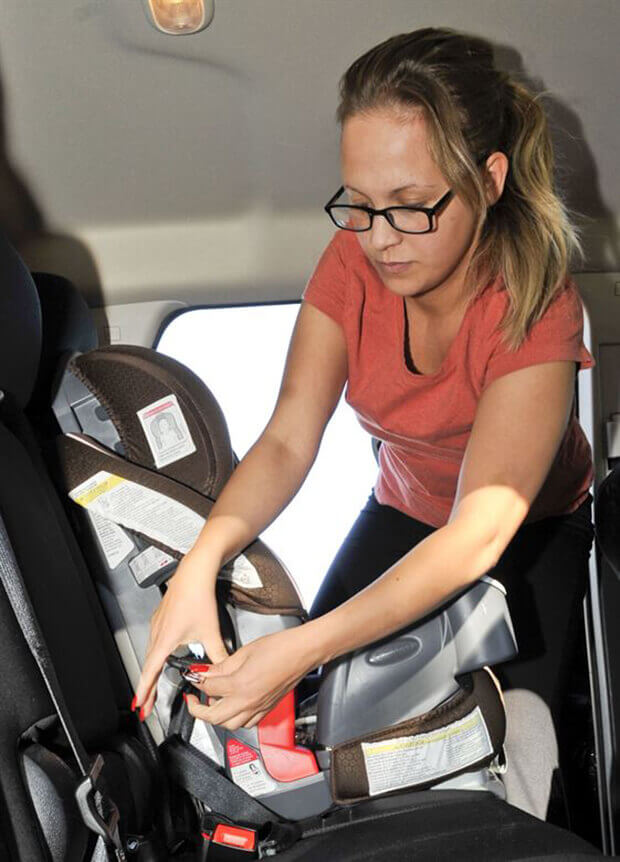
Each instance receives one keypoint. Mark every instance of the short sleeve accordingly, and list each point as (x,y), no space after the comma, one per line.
(557,335)
(326,288)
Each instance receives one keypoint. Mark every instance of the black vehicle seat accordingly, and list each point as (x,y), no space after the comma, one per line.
(424,825)
(41,821)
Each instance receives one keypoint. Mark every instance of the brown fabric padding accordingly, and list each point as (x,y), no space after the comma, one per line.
(80,457)
(127,378)
(349,780)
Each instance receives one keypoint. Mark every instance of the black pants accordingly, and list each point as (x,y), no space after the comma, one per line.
(544,569)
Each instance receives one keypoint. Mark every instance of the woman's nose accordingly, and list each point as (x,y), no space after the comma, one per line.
(382,234)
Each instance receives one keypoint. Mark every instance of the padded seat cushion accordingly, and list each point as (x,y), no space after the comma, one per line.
(437,825)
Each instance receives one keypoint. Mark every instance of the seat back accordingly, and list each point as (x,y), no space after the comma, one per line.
(36,769)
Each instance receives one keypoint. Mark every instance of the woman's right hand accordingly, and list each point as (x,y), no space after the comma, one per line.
(186,614)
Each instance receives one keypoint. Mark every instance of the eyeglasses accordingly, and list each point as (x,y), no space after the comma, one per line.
(405,219)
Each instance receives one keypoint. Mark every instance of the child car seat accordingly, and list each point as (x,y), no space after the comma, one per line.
(145,452)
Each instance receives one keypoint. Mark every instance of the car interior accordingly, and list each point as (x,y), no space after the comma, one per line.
(158,162)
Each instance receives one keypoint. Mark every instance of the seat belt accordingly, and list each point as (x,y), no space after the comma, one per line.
(228,804)
(99,812)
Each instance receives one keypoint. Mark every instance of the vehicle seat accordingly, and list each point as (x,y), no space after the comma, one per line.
(37,774)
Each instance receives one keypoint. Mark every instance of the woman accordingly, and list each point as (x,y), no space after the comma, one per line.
(444,302)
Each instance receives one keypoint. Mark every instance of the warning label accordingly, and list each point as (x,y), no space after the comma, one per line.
(114,541)
(148,562)
(141,509)
(396,763)
(247,770)
(166,431)
(241,572)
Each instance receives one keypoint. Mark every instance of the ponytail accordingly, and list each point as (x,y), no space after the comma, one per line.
(527,236)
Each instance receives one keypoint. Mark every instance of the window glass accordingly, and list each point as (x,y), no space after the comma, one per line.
(240,352)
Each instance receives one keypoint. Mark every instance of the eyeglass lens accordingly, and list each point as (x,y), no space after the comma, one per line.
(354,219)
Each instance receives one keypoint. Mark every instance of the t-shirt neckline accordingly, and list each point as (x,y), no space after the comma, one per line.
(447,360)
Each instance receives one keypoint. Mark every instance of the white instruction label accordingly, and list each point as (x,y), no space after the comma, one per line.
(141,509)
(205,739)
(241,572)
(396,763)
(166,430)
(148,562)
(114,541)
(247,769)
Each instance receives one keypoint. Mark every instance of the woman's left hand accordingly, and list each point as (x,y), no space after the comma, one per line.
(252,680)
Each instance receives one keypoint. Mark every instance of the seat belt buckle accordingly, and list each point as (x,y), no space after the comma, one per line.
(227,843)
(99,813)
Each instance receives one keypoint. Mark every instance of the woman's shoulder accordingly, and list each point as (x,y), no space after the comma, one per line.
(335,279)
(557,334)
(345,245)
(565,307)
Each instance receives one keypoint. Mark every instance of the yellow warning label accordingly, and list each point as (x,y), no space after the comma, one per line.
(101,484)
(140,509)
(434,736)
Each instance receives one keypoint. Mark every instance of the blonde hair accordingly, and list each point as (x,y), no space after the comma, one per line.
(473,109)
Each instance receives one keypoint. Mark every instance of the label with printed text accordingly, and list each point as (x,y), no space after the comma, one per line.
(407,760)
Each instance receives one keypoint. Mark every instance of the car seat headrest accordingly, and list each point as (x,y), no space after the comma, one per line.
(166,417)
(20,326)
(68,327)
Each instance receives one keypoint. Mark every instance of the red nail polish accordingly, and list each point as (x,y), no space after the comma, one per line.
(142,716)
(185,697)
(134,703)
(199,668)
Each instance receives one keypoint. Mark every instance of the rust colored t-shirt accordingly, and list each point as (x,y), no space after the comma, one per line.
(424,420)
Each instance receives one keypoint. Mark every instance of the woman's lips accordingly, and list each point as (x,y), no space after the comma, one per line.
(395,267)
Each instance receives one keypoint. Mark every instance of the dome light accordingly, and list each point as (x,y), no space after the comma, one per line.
(180,17)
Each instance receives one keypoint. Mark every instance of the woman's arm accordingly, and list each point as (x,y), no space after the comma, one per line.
(520,422)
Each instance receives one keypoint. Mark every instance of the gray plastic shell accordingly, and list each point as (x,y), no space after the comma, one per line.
(414,670)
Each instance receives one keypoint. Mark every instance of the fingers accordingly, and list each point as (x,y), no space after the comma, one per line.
(258,717)
(150,673)
(224,714)
(147,706)
(213,685)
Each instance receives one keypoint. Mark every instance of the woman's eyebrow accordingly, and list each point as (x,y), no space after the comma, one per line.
(399,189)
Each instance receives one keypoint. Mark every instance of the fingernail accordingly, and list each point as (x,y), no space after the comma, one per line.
(142,715)
(199,668)
(185,697)
(134,703)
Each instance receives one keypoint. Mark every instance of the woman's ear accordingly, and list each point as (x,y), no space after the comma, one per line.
(495,173)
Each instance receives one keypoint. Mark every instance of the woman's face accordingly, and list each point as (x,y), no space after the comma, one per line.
(385,162)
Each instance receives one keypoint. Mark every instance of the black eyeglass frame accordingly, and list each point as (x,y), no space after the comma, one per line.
(428,211)
(386,213)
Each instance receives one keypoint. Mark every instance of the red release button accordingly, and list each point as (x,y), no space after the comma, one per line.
(234,836)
